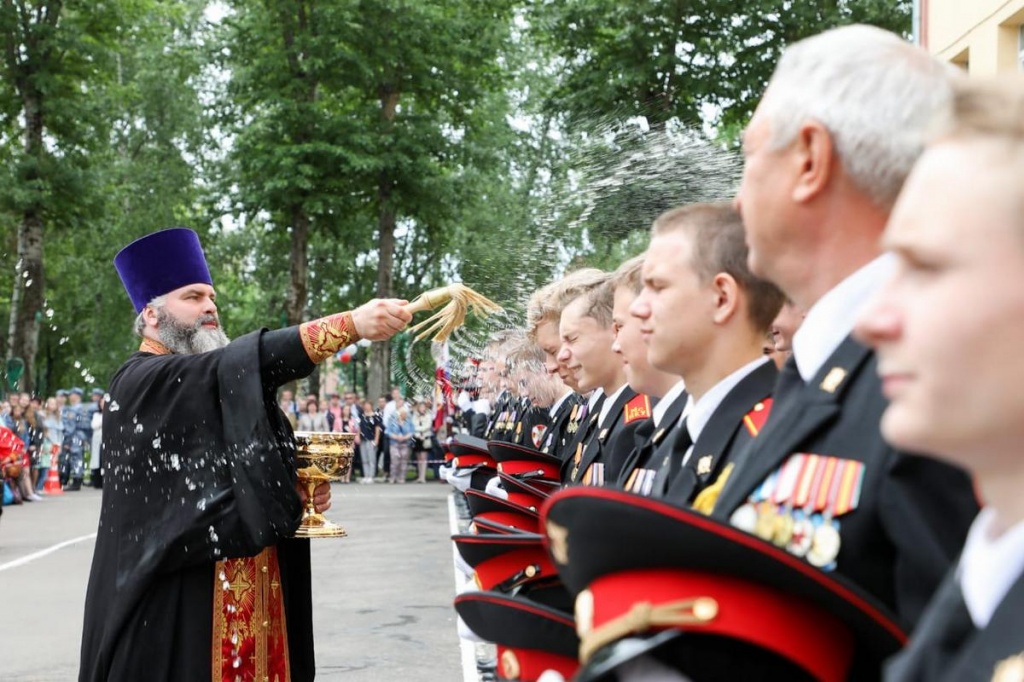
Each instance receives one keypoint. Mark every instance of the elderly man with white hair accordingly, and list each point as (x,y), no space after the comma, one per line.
(826,153)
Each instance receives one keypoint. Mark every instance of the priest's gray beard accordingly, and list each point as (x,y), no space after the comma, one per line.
(185,339)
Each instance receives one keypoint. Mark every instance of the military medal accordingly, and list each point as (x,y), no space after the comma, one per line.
(576,461)
(745,518)
(802,534)
(765,526)
(783,528)
(825,544)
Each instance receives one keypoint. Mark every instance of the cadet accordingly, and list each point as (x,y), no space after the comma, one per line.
(948,330)
(587,335)
(543,313)
(705,317)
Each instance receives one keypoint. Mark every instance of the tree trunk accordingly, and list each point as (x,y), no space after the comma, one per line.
(298,282)
(380,353)
(28,295)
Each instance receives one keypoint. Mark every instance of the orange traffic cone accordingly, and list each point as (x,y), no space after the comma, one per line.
(52,485)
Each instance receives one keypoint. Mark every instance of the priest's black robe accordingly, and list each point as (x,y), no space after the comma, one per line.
(200,466)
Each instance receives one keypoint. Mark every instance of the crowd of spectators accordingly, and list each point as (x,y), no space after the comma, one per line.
(61,432)
(389,436)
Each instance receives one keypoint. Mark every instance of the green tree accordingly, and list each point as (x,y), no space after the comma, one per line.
(351,124)
(135,140)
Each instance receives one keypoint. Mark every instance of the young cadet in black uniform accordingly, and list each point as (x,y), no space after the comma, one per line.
(705,318)
(587,335)
(641,375)
(816,193)
(948,331)
(493,373)
(539,391)
(543,312)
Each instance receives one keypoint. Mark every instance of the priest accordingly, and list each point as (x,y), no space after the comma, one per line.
(196,575)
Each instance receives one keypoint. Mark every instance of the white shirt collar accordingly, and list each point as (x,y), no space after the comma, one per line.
(606,406)
(595,395)
(701,412)
(831,319)
(558,403)
(989,567)
(658,413)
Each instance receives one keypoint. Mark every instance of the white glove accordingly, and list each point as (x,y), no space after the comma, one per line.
(461,478)
(462,566)
(466,633)
(494,488)
(551,676)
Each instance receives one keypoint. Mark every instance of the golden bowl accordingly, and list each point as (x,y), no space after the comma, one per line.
(331,453)
(323,456)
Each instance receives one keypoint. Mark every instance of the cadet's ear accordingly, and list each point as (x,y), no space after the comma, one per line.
(726,291)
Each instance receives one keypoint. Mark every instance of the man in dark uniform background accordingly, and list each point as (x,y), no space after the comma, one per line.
(836,133)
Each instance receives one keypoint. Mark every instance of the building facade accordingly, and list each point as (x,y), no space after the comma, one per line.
(985,37)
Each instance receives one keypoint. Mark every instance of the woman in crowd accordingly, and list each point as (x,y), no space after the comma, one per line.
(400,433)
(349,424)
(20,477)
(34,446)
(423,442)
(369,440)
(312,419)
(53,439)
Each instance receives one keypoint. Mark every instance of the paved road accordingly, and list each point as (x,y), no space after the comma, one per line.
(382,596)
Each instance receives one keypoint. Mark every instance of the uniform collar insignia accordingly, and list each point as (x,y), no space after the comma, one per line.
(832,380)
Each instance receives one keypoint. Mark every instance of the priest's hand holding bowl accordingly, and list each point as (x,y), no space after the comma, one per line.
(321,495)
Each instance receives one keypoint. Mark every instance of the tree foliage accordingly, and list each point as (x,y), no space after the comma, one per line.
(333,152)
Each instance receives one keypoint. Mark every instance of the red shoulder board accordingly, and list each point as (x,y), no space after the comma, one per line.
(637,408)
(755,419)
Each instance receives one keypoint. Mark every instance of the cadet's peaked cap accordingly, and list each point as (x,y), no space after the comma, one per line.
(640,567)
(517,459)
(481,503)
(470,451)
(531,637)
(505,562)
(161,262)
(523,493)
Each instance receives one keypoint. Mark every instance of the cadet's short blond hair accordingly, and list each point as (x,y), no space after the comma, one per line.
(993,109)
(629,275)
(547,303)
(990,107)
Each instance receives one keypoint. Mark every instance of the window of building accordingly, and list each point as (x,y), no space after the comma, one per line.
(1020,47)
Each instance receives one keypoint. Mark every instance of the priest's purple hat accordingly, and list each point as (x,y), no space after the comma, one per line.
(161,262)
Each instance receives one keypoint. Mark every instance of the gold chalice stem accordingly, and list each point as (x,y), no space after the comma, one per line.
(459,299)
(311,477)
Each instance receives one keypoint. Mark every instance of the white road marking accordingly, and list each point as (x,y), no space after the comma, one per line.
(468,648)
(43,552)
